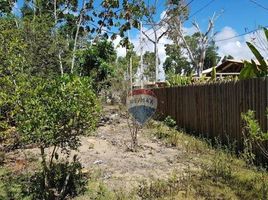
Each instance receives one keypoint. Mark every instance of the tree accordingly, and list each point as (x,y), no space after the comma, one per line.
(227,57)
(76,25)
(149,62)
(54,113)
(212,57)
(6,7)
(97,61)
(177,15)
(176,62)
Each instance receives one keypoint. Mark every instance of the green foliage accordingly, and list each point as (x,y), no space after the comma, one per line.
(212,57)
(55,112)
(253,133)
(5,7)
(178,80)
(12,44)
(252,69)
(221,166)
(97,62)
(149,62)
(30,48)
(176,62)
(76,183)
(213,74)
(170,122)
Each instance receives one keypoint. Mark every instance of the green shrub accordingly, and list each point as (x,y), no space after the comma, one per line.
(161,132)
(253,133)
(170,122)
(54,113)
(75,185)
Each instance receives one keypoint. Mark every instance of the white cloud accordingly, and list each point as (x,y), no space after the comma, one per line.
(163,14)
(235,47)
(121,51)
(259,40)
(189,30)
(149,46)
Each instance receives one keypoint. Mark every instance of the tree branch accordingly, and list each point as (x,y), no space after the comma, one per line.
(148,37)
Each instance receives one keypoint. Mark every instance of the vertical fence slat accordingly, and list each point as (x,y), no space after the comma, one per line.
(214,110)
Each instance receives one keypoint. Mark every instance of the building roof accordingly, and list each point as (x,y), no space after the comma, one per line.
(227,67)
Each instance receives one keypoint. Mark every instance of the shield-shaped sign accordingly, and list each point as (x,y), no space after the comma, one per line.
(142,104)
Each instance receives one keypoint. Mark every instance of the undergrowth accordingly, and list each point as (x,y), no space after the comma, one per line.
(218,173)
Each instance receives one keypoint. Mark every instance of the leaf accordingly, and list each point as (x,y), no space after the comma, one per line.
(248,71)
(263,66)
(266,33)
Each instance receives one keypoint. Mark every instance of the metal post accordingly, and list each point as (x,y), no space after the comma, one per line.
(141,61)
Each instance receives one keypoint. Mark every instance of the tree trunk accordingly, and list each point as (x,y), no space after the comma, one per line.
(45,172)
(156,55)
(76,35)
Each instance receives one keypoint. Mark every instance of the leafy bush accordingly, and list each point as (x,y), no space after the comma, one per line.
(54,113)
(170,122)
(75,185)
(179,80)
(253,133)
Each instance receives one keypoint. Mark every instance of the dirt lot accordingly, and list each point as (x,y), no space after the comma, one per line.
(109,152)
(201,171)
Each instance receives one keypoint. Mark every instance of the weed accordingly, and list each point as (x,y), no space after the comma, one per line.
(173,138)
(247,154)
(221,166)
(157,189)
(161,131)
(168,121)
(254,133)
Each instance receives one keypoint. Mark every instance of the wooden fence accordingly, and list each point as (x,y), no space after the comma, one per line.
(214,110)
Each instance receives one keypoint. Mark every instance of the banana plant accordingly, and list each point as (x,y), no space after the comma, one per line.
(252,69)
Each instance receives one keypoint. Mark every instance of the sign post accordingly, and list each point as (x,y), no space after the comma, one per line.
(141,104)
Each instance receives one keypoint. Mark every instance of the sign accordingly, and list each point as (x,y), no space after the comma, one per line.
(142,104)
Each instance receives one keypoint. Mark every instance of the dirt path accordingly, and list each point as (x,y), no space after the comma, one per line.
(107,151)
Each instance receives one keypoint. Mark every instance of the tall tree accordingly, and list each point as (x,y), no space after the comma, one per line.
(97,61)
(79,23)
(156,26)
(176,62)
(149,62)
(212,57)
(203,39)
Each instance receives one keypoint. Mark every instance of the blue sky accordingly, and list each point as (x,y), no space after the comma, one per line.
(241,15)
(237,17)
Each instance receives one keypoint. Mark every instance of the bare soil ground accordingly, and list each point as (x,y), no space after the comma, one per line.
(202,172)
(108,152)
